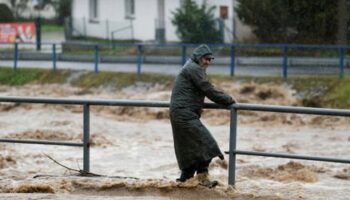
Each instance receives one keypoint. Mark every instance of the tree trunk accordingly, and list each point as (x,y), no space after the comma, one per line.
(342,22)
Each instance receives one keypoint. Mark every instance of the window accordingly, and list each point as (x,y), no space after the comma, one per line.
(94,14)
(223,12)
(130,9)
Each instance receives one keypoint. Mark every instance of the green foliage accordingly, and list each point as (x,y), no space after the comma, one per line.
(119,80)
(338,94)
(5,13)
(18,6)
(61,7)
(9,76)
(64,10)
(290,21)
(51,28)
(196,24)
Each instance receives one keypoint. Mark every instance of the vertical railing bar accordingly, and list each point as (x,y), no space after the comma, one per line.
(139,59)
(107,29)
(285,61)
(233,59)
(341,62)
(97,58)
(184,52)
(86,138)
(232,147)
(15,56)
(54,58)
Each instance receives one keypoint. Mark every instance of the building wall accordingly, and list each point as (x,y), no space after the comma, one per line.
(242,31)
(145,19)
(170,29)
(112,22)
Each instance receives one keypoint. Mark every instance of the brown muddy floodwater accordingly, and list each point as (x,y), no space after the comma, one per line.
(133,148)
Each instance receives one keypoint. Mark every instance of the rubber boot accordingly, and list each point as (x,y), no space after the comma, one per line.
(185,175)
(204,180)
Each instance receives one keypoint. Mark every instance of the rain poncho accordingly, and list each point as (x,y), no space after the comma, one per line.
(192,141)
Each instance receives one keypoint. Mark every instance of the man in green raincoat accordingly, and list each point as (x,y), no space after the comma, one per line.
(194,145)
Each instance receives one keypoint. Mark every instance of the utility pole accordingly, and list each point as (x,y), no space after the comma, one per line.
(160,22)
(233,21)
(342,22)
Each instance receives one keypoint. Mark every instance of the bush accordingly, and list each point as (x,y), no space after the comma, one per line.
(196,24)
(5,13)
(64,10)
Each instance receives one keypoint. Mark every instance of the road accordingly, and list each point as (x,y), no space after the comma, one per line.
(173,68)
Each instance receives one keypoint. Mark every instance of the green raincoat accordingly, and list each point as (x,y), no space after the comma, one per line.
(192,141)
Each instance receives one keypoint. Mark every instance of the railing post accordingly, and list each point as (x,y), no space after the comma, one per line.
(285,61)
(341,62)
(84,27)
(232,148)
(38,33)
(86,138)
(233,54)
(107,29)
(184,52)
(139,59)
(97,58)
(54,58)
(15,55)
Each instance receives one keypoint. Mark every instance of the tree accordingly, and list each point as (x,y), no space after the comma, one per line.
(5,13)
(18,6)
(342,22)
(264,17)
(62,7)
(196,24)
(290,21)
(63,10)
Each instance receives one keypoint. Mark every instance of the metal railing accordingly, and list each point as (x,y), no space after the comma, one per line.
(86,103)
(138,58)
(233,151)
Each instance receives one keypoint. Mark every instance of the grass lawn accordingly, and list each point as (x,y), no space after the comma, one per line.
(51,28)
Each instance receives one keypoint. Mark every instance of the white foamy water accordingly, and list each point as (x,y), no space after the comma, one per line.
(125,146)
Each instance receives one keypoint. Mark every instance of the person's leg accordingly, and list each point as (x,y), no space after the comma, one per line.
(186,174)
(203,167)
(203,175)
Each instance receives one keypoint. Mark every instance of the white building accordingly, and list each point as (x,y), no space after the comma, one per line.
(143,20)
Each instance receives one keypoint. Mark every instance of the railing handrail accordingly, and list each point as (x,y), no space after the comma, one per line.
(237,45)
(152,103)
(292,109)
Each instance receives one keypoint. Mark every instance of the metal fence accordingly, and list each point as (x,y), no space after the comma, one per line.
(230,55)
(233,151)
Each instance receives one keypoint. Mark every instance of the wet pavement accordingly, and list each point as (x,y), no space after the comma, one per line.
(174,68)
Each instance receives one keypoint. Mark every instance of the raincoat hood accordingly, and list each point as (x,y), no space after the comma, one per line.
(201,51)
